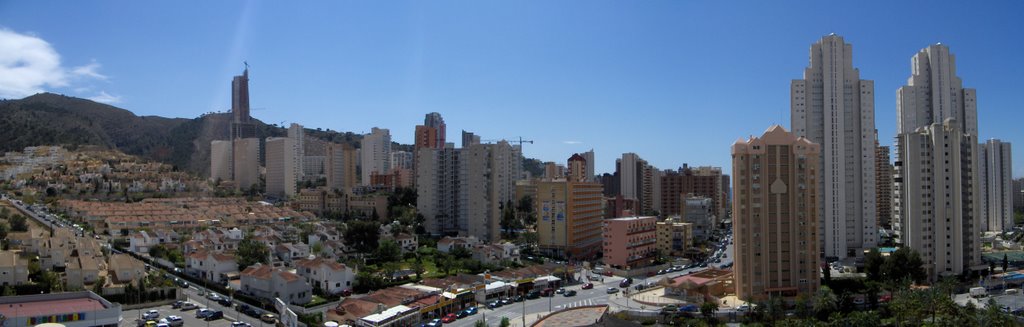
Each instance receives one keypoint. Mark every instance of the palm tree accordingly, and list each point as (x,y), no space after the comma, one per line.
(825,302)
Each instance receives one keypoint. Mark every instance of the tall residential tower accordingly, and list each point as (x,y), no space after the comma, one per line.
(937,192)
(833,107)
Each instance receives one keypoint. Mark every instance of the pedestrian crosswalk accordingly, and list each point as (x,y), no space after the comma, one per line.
(581,303)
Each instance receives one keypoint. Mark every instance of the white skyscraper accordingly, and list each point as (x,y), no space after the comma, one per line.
(375,154)
(589,156)
(628,175)
(833,107)
(937,190)
(462,191)
(996,186)
(281,166)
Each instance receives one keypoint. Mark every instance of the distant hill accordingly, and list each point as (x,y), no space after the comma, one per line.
(54,119)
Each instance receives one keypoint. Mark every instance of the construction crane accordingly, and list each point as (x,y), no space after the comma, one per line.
(520,141)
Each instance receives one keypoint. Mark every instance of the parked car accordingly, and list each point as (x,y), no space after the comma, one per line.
(587,286)
(175,321)
(640,287)
(624,283)
(225,302)
(548,292)
(533,295)
(203,313)
(248,311)
(434,323)
(560,290)
(462,314)
(151,314)
(570,293)
(269,318)
(471,310)
(188,306)
(506,301)
(240,324)
(612,290)
(494,304)
(214,315)
(451,317)
(518,298)
(177,304)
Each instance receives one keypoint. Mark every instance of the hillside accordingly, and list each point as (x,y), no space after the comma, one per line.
(46,118)
(53,119)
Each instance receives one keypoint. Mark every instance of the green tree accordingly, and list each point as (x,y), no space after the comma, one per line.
(98,286)
(366,281)
(873,262)
(505,322)
(418,267)
(825,302)
(388,251)
(480,323)
(460,252)
(362,235)
(9,291)
(508,219)
(708,309)
(445,262)
(904,263)
(5,212)
(18,223)
(4,228)
(251,252)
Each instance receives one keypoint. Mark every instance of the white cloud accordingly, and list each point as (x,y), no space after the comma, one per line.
(104,97)
(30,65)
(572,142)
(27,64)
(90,70)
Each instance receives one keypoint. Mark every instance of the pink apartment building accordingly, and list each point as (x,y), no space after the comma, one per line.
(630,242)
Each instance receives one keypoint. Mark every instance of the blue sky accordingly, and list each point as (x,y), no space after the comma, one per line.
(674,81)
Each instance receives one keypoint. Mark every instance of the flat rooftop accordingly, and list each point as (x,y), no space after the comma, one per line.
(50,307)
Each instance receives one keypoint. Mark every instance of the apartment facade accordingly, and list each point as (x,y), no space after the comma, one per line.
(246,162)
(281,176)
(831,106)
(883,185)
(937,188)
(569,218)
(340,167)
(674,237)
(775,215)
(630,242)
(996,165)
(220,161)
(375,153)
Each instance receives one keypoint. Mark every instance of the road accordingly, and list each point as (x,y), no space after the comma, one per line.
(537,308)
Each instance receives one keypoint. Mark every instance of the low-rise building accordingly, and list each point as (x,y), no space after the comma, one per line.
(674,237)
(71,309)
(125,269)
(449,243)
(289,252)
(82,270)
(211,265)
(13,270)
(496,253)
(629,242)
(267,282)
(329,276)
(399,315)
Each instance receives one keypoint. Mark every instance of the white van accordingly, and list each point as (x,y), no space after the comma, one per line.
(1011,291)
(978,292)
